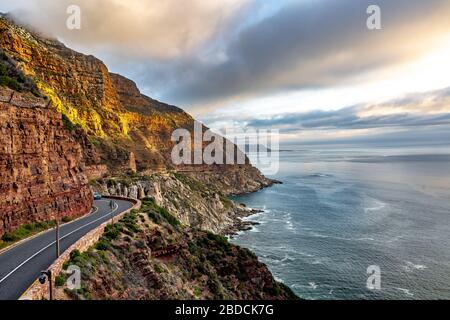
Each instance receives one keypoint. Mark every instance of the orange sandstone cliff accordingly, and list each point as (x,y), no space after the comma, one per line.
(124,129)
(40,173)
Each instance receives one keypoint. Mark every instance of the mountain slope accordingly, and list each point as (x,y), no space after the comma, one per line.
(150,255)
(123,128)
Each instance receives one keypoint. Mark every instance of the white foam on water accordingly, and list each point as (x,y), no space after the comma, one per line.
(318,261)
(288,222)
(406,291)
(410,267)
(254,229)
(318,235)
(278,279)
(375,205)
(287,258)
(312,285)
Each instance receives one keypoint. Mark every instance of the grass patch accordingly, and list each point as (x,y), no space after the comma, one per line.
(221,241)
(103,244)
(25,231)
(157,213)
(12,77)
(193,184)
(59,281)
(66,219)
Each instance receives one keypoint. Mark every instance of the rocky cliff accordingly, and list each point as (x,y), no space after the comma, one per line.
(151,255)
(123,129)
(192,202)
(40,173)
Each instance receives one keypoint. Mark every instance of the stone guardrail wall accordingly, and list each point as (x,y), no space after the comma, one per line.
(37,291)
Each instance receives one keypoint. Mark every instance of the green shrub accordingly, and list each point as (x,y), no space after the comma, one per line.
(140,245)
(194,249)
(66,219)
(9,237)
(154,217)
(102,245)
(158,269)
(67,123)
(220,240)
(26,231)
(112,232)
(3,71)
(170,218)
(75,254)
(198,292)
(11,76)
(59,281)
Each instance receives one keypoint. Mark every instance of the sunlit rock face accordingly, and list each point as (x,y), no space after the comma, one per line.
(41,176)
(118,120)
(116,125)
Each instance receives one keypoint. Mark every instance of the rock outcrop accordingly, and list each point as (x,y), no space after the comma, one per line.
(149,255)
(190,201)
(40,173)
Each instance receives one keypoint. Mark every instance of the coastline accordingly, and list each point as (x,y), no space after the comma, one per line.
(241,225)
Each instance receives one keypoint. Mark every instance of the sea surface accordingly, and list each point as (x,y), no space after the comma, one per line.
(340,211)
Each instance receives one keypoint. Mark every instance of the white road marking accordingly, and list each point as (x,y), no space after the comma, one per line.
(51,244)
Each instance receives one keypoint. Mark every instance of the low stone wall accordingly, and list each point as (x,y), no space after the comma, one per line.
(37,291)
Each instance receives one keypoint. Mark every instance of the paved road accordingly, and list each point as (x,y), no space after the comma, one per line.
(21,266)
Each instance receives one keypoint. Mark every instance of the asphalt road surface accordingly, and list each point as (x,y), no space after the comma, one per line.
(21,266)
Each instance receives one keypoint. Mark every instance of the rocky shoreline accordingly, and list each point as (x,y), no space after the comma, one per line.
(239,223)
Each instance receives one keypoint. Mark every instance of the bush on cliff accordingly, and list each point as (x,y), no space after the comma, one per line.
(156,212)
(12,77)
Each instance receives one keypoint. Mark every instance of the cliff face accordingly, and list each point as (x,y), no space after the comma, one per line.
(40,173)
(124,129)
(197,200)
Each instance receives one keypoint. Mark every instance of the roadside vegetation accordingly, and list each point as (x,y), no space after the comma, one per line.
(28,230)
(150,255)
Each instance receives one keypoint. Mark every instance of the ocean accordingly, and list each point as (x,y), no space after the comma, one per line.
(340,211)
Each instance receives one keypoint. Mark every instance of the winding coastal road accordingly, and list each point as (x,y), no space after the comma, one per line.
(21,265)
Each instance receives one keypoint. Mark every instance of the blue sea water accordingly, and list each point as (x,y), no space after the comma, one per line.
(341,211)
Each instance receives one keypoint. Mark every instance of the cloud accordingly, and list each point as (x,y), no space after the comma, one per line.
(309,45)
(203,55)
(424,109)
(150,29)
(419,118)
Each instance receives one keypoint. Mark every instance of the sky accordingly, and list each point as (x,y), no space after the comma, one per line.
(310,68)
